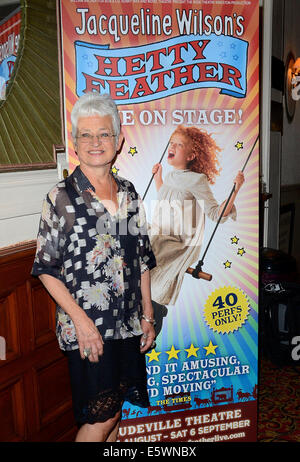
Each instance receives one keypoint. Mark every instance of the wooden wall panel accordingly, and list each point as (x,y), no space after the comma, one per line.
(35,394)
(9,326)
(43,310)
(12,411)
(52,377)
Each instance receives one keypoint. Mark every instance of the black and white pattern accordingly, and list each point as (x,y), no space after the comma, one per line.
(99,257)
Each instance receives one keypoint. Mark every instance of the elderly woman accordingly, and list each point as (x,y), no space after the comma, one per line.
(94,256)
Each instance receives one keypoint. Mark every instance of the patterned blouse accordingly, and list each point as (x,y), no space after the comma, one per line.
(98,256)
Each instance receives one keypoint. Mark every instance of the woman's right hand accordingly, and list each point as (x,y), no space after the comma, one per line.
(88,336)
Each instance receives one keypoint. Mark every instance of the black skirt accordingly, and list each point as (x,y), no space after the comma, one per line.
(99,389)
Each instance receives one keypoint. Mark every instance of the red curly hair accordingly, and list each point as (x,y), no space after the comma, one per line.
(205,149)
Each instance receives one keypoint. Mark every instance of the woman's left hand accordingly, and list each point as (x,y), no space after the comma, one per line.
(239,180)
(148,336)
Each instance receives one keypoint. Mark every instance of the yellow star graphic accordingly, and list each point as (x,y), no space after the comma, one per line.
(132,151)
(173,353)
(210,348)
(153,356)
(234,240)
(241,251)
(227,264)
(239,145)
(192,351)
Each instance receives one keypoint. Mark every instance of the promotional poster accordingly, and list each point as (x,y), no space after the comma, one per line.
(185,76)
(9,42)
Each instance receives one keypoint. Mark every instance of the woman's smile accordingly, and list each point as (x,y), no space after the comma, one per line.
(96,152)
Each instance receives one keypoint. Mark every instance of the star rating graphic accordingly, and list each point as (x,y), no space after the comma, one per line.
(192,351)
(239,145)
(153,356)
(132,151)
(210,349)
(173,353)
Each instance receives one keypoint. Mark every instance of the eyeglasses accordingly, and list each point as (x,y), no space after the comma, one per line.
(87,138)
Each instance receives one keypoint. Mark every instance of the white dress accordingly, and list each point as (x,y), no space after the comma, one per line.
(177,229)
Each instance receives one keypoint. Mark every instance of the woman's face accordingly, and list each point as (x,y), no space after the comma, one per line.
(179,154)
(96,147)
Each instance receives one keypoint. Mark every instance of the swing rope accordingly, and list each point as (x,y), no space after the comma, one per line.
(198,269)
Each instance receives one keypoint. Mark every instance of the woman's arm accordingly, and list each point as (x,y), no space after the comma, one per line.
(87,333)
(147,327)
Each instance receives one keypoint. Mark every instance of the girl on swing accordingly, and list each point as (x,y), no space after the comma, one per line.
(184,200)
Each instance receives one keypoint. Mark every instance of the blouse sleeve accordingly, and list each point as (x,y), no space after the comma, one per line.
(211,206)
(147,258)
(50,243)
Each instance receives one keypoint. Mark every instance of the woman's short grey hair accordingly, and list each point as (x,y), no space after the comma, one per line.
(91,104)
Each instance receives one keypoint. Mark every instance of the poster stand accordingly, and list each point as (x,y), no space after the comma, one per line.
(195,64)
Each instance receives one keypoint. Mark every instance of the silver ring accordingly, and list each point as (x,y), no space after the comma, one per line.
(153,344)
(87,352)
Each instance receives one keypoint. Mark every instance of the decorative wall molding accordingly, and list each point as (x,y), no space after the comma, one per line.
(21,196)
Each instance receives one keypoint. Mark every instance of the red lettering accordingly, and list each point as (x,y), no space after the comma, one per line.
(160,77)
(134,64)
(199,48)
(181,76)
(141,88)
(180,73)
(206,72)
(155,54)
(231,75)
(107,64)
(119,89)
(92,83)
(177,49)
